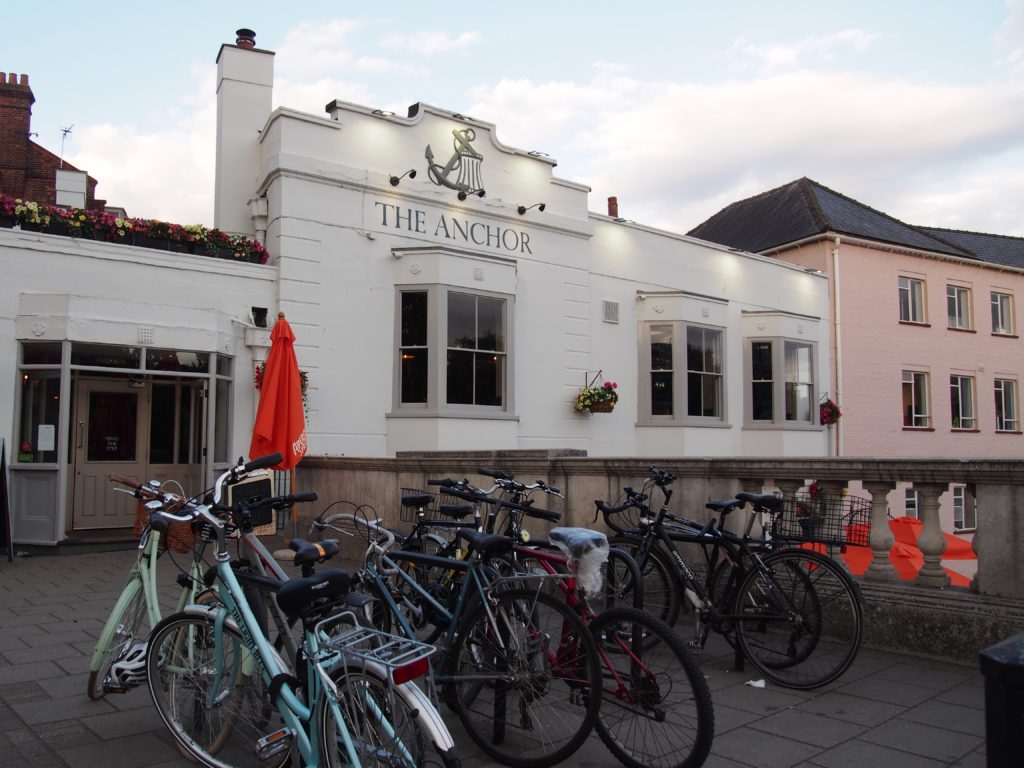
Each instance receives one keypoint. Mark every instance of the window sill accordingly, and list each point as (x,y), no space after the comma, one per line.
(1005,336)
(791,426)
(962,431)
(1009,432)
(425,414)
(960,330)
(684,423)
(918,429)
(919,325)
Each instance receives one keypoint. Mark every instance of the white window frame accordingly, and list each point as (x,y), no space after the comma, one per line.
(1007,419)
(1002,313)
(920,414)
(963,416)
(958,307)
(965,509)
(911,300)
(782,382)
(679,373)
(910,503)
(437,355)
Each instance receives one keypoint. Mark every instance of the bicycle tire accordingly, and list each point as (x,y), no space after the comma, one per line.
(216,709)
(656,710)
(118,635)
(721,587)
(662,587)
(799,619)
(541,702)
(383,729)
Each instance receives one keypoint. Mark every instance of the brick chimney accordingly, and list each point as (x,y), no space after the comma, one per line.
(16,102)
(613,207)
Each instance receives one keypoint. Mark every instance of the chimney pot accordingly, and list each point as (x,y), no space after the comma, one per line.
(12,78)
(613,207)
(24,79)
(246,38)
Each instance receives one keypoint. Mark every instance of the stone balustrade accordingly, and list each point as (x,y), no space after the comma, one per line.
(928,615)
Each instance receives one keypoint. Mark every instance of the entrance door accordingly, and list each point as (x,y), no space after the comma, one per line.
(111,434)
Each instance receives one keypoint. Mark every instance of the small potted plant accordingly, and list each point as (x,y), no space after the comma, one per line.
(597,398)
(8,218)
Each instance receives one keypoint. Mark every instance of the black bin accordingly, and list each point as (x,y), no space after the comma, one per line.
(1003,668)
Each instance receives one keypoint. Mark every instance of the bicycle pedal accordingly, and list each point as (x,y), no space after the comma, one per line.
(274,744)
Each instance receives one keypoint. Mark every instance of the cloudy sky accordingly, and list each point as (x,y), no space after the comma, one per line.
(678,107)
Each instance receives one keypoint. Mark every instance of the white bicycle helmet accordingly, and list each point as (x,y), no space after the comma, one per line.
(130,668)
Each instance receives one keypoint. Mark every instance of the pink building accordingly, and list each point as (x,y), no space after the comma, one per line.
(926,350)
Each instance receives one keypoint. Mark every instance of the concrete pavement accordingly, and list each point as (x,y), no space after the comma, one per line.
(887,711)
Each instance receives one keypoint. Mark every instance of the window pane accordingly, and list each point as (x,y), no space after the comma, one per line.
(703,393)
(490,324)
(762,385)
(414,319)
(225,365)
(414,375)
(915,399)
(460,377)
(221,430)
(799,381)
(961,393)
(161,425)
(489,371)
(461,321)
(661,393)
(40,354)
(112,426)
(169,360)
(761,360)
(40,406)
(105,356)
(661,347)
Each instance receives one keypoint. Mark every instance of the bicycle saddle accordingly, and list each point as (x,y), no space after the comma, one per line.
(578,541)
(417,500)
(486,544)
(307,553)
(311,594)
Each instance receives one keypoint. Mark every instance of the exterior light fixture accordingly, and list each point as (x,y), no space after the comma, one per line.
(537,153)
(524,208)
(463,193)
(411,173)
(384,112)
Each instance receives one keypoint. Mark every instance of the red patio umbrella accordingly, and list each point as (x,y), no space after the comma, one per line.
(280,422)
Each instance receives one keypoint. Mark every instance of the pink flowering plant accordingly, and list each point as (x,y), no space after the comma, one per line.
(828,412)
(591,396)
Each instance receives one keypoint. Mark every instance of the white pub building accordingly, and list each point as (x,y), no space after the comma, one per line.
(447,292)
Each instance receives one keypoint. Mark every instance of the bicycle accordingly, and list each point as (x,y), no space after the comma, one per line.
(516,665)
(796,614)
(117,663)
(230,700)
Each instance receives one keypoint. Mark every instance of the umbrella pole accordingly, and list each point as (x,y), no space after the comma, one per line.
(294,514)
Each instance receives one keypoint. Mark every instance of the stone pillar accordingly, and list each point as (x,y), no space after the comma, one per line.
(931,541)
(832,489)
(881,538)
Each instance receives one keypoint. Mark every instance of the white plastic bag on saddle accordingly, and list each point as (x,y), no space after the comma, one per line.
(587,551)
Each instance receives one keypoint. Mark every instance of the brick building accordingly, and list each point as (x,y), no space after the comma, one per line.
(28,170)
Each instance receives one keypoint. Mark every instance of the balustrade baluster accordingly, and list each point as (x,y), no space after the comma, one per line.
(881,538)
(931,541)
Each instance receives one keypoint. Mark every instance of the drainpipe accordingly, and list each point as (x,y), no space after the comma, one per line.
(837,343)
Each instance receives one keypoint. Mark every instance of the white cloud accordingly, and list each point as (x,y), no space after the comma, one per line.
(430,43)
(1011,35)
(773,57)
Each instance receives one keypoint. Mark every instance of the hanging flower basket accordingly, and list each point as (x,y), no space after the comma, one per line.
(597,399)
(829,413)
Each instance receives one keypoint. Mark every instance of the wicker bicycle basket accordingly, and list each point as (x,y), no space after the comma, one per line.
(824,518)
(179,537)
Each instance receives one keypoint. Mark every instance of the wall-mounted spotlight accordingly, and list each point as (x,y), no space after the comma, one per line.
(463,194)
(411,173)
(384,112)
(524,208)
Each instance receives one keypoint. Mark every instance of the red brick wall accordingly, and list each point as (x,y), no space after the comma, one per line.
(27,169)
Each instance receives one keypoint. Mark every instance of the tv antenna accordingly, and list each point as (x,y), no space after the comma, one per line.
(64,136)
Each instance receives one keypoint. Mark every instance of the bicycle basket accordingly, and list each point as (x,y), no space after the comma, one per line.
(179,537)
(824,518)
(408,514)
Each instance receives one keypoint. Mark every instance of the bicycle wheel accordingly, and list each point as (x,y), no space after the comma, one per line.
(524,678)
(656,711)
(799,619)
(621,583)
(124,627)
(662,588)
(382,728)
(208,693)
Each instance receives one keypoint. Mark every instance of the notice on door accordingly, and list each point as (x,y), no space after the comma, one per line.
(46,439)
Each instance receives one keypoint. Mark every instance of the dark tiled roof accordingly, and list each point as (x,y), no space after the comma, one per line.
(998,249)
(804,208)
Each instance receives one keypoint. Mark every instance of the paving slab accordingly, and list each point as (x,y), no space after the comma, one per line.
(888,711)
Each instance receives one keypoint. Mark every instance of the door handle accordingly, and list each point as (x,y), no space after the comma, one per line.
(81,430)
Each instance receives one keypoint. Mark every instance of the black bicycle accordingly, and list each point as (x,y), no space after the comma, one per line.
(795,613)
